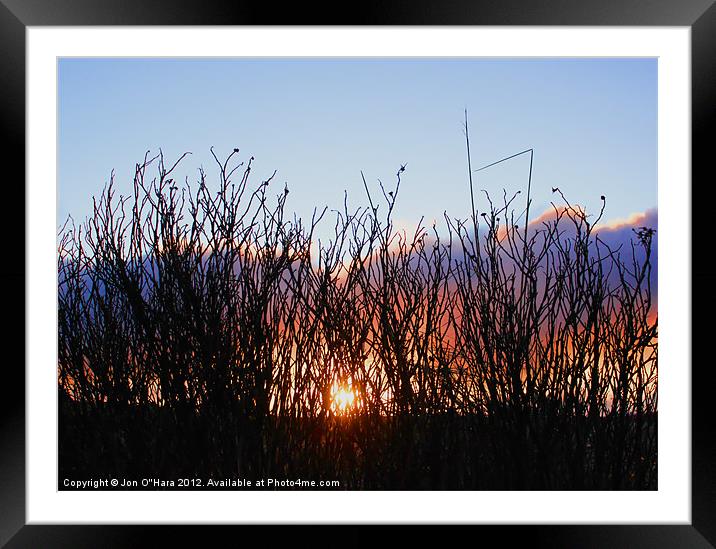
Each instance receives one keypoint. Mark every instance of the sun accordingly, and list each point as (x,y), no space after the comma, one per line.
(342,397)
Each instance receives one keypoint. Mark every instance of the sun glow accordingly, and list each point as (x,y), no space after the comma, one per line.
(342,397)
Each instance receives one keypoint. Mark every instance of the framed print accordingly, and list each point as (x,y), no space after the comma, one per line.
(403,272)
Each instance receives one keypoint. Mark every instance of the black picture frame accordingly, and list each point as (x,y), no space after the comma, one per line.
(17,15)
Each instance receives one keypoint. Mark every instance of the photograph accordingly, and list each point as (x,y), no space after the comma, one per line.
(357,273)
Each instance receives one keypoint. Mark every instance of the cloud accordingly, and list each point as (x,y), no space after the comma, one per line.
(622,235)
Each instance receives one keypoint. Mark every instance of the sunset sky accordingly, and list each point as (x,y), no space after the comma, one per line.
(319,122)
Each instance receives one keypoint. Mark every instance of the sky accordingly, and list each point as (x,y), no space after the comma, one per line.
(319,122)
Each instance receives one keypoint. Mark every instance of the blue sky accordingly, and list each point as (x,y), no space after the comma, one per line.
(319,122)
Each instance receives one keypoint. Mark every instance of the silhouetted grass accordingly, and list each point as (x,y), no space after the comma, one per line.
(201,334)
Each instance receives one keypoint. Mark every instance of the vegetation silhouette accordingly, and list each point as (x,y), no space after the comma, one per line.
(206,335)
